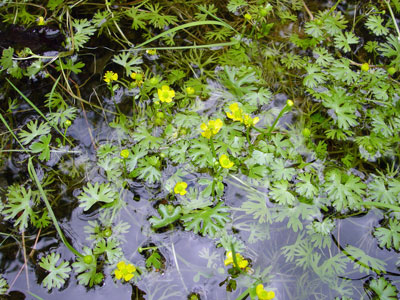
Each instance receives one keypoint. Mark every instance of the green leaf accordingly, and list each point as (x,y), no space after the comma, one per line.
(381,189)
(129,61)
(58,274)
(19,203)
(301,252)
(62,115)
(305,186)
(136,154)
(3,285)
(207,221)
(342,105)
(41,222)
(87,272)
(53,4)
(324,58)
(297,215)
(383,289)
(154,260)
(340,69)
(280,170)
(391,49)
(42,147)
(260,97)
(234,5)
(110,248)
(256,205)
(314,76)
(389,237)
(292,61)
(364,262)
(343,41)
(35,130)
(158,19)
(70,65)
(314,29)
(97,193)
(177,151)
(6,58)
(169,214)
(200,153)
(334,22)
(34,68)
(374,23)
(145,139)
(56,100)
(281,194)
(345,191)
(148,169)
(138,17)
(336,264)
(83,30)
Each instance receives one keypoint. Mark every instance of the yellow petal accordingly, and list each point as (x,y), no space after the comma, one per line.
(118,274)
(243,263)
(121,265)
(131,268)
(128,277)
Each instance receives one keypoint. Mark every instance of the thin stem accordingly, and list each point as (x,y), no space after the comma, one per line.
(393,18)
(32,172)
(213,148)
(248,138)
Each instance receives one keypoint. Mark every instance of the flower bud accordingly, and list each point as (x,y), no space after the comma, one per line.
(365,67)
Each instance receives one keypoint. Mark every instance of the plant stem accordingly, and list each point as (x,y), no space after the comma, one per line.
(248,138)
(213,148)
(286,108)
(393,18)
(32,172)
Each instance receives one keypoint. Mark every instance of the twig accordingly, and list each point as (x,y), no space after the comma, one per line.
(307,10)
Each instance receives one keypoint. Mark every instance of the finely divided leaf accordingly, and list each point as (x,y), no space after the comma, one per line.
(58,274)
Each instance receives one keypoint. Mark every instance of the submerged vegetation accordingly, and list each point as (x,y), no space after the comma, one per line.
(253,134)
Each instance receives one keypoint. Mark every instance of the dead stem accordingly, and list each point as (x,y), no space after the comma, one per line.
(307,10)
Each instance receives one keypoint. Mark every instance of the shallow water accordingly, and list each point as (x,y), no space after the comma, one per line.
(192,263)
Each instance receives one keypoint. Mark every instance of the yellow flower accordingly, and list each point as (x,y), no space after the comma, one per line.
(165,94)
(248,121)
(263,294)
(225,162)
(151,52)
(110,76)
(124,153)
(124,271)
(180,188)
(289,103)
(190,90)
(212,128)
(138,77)
(242,263)
(236,112)
(40,21)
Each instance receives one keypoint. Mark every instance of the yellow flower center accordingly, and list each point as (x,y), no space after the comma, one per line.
(180,188)
(225,162)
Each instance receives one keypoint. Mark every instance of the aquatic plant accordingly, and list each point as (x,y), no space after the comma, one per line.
(300,128)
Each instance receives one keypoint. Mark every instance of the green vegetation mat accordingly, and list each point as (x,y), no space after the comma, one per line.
(200,149)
